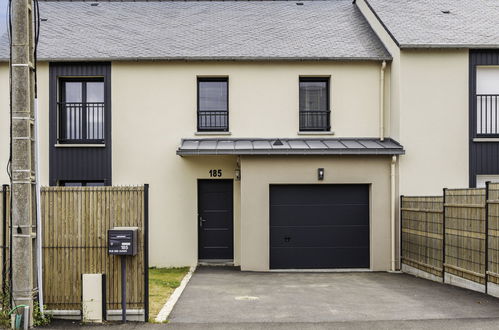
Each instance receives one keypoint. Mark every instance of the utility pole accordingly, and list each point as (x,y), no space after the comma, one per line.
(23,156)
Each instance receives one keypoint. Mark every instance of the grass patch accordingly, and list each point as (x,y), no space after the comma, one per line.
(162,283)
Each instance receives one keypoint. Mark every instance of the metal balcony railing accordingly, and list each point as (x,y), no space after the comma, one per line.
(81,122)
(315,121)
(213,121)
(487,116)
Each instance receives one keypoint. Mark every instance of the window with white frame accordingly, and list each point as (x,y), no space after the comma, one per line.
(487,101)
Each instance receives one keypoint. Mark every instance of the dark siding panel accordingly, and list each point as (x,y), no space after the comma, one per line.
(79,163)
(484,156)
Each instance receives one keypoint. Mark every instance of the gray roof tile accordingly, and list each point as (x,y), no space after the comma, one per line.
(423,23)
(203,30)
(297,144)
(207,144)
(316,144)
(242,145)
(370,144)
(351,144)
(334,144)
(225,145)
(262,144)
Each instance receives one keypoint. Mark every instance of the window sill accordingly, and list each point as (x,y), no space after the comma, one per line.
(212,133)
(77,145)
(316,133)
(486,140)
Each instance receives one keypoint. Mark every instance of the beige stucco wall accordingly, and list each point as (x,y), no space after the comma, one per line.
(43,92)
(434,121)
(392,108)
(154,106)
(263,96)
(259,172)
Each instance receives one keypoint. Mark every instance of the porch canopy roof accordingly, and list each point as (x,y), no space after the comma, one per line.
(284,146)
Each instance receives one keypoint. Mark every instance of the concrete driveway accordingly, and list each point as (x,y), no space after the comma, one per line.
(219,295)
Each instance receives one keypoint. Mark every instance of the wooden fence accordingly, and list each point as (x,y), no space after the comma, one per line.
(75,223)
(468,253)
(422,228)
(465,223)
(493,234)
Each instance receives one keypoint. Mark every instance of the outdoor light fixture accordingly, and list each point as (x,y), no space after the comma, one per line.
(237,174)
(320,174)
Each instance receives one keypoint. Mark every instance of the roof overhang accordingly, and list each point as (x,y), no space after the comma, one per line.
(284,146)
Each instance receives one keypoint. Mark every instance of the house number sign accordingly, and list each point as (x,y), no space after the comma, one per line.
(216,173)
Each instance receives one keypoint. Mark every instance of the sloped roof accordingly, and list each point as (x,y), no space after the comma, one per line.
(440,23)
(276,146)
(205,30)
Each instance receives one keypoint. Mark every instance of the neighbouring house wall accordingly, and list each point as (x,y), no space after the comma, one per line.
(43,107)
(154,106)
(434,121)
(429,113)
(257,173)
(484,156)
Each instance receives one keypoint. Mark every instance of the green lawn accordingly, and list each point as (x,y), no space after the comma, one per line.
(162,283)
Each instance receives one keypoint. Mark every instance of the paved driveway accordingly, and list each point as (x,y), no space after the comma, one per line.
(217,295)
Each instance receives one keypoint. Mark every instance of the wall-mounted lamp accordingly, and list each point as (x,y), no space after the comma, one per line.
(237,174)
(320,174)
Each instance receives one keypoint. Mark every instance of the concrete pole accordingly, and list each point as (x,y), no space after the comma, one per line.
(22,166)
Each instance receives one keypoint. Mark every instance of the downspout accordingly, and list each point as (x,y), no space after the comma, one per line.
(382,102)
(39,253)
(392,211)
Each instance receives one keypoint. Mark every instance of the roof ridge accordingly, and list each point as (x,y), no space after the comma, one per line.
(187,0)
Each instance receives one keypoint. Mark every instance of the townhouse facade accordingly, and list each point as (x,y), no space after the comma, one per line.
(273,134)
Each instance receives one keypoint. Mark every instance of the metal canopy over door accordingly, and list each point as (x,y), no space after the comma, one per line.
(215,219)
(319,226)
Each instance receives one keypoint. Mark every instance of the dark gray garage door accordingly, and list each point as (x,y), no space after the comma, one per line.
(319,226)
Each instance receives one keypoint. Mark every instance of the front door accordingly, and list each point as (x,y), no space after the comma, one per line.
(215,220)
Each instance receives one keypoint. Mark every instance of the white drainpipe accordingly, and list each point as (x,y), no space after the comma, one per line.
(382,102)
(39,254)
(392,211)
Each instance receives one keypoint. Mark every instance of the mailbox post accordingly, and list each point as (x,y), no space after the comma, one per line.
(122,241)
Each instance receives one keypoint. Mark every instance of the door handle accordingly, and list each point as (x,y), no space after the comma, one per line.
(201,220)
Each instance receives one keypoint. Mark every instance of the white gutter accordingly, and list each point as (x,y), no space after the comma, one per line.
(382,102)
(39,260)
(392,211)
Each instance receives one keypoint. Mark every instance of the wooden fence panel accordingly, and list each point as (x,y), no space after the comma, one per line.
(422,228)
(75,223)
(493,233)
(465,223)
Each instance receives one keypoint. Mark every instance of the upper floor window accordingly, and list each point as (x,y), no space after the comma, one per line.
(314,104)
(213,110)
(81,110)
(487,101)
